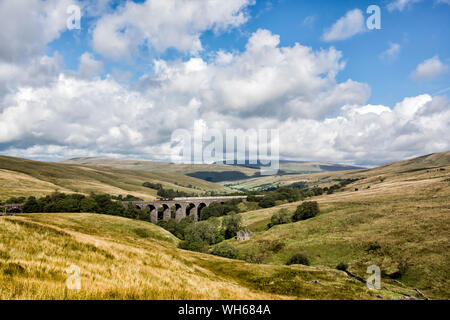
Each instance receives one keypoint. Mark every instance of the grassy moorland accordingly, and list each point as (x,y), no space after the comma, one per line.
(399,219)
(395,216)
(22,177)
(121,258)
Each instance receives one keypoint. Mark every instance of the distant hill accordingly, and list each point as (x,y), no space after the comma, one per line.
(23,177)
(216,172)
(324,178)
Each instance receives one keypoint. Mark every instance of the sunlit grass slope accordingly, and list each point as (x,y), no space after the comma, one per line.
(404,207)
(127,259)
(22,177)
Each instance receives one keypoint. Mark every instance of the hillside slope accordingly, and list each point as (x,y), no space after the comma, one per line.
(399,217)
(22,177)
(121,258)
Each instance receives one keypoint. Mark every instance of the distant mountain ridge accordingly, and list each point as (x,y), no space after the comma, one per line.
(215,172)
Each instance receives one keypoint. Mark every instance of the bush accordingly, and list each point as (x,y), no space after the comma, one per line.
(267,201)
(231,225)
(281,217)
(342,266)
(298,258)
(306,210)
(198,236)
(31,205)
(225,250)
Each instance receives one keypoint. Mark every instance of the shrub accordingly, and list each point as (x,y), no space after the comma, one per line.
(231,225)
(298,258)
(198,236)
(281,217)
(31,205)
(225,250)
(306,210)
(267,201)
(342,266)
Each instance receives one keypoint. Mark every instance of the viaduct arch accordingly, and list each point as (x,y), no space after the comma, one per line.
(184,207)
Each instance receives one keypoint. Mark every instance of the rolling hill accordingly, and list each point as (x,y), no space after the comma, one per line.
(119,258)
(395,216)
(217,172)
(22,177)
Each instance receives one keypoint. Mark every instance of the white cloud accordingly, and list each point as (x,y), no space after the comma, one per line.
(429,69)
(347,26)
(292,89)
(39,71)
(400,5)
(162,24)
(28,25)
(392,52)
(309,21)
(89,67)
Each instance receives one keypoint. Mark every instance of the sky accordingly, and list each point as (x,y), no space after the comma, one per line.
(339,82)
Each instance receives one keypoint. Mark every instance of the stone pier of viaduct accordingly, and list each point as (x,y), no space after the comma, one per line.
(184,207)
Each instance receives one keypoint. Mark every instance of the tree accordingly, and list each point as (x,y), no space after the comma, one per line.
(88,205)
(267,201)
(199,236)
(281,217)
(225,250)
(31,205)
(231,225)
(306,210)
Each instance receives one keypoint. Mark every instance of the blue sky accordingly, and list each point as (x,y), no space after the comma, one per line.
(421,30)
(136,72)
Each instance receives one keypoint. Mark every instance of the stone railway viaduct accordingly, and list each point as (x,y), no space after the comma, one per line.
(184,207)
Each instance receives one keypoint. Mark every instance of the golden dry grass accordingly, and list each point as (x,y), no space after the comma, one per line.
(126,259)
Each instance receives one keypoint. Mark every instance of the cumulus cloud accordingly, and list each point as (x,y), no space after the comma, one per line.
(265,80)
(162,24)
(429,69)
(38,72)
(89,67)
(292,89)
(28,25)
(372,134)
(347,26)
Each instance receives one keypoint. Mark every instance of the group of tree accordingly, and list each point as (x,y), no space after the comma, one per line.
(272,198)
(199,236)
(217,209)
(95,203)
(340,185)
(306,210)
